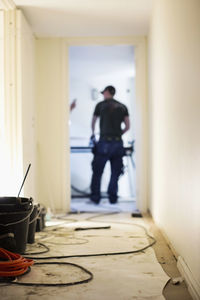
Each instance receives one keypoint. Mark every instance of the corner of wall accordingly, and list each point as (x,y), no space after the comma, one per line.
(193,285)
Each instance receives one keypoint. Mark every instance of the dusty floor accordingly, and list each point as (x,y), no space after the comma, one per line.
(120,277)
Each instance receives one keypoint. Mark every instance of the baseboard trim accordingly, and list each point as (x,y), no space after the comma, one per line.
(193,286)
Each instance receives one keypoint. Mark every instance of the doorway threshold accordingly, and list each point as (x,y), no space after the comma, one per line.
(85,205)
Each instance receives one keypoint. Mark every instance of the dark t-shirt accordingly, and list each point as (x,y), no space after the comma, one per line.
(112,114)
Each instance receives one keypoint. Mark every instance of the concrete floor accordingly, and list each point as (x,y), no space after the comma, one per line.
(135,276)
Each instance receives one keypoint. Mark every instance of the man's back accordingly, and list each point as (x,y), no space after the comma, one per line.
(112,114)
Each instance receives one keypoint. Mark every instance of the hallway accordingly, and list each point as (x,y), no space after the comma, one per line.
(35,114)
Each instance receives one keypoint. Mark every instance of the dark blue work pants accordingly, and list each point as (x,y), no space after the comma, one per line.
(104,151)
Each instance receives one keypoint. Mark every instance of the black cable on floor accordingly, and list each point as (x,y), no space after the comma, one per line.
(41,252)
(80,191)
(109,213)
(87,255)
(96,254)
(106,253)
(123,223)
(58,284)
(54,230)
(84,194)
(84,241)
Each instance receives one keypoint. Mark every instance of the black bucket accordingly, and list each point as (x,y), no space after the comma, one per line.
(14,204)
(32,224)
(41,220)
(14,222)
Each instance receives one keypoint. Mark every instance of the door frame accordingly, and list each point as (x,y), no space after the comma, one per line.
(141,105)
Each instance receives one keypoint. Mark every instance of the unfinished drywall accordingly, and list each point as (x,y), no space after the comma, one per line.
(174,65)
(26,64)
(53,177)
(17,104)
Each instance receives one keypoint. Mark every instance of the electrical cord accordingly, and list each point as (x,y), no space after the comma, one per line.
(106,253)
(80,191)
(13,264)
(84,241)
(48,238)
(123,223)
(97,254)
(85,194)
(41,252)
(83,255)
(58,284)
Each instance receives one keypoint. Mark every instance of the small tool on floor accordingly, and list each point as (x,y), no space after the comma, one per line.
(91,228)
(136,214)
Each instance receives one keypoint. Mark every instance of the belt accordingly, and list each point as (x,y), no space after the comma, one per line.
(111,138)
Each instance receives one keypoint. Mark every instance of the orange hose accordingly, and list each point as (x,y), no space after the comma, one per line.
(14,265)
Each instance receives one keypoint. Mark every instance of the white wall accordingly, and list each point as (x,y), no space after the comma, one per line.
(174,65)
(26,63)
(2,100)
(17,105)
(53,177)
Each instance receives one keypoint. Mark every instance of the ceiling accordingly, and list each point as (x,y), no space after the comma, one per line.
(53,18)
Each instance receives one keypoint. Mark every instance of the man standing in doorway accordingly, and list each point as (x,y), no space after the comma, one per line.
(110,146)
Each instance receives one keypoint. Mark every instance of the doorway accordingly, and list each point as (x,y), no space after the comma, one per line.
(91,68)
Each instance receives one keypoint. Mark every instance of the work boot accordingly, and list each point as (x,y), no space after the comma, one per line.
(95,199)
(112,199)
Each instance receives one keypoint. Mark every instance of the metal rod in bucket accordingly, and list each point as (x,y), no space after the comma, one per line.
(24,179)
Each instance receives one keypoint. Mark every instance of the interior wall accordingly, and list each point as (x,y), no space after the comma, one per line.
(26,63)
(11,148)
(53,176)
(174,72)
(2,98)
(17,98)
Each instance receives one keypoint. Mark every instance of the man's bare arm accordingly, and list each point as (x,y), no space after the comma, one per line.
(94,119)
(127,124)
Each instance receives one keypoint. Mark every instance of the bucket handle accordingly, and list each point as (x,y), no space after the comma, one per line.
(20,221)
(35,217)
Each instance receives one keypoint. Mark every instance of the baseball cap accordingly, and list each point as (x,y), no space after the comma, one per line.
(110,89)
